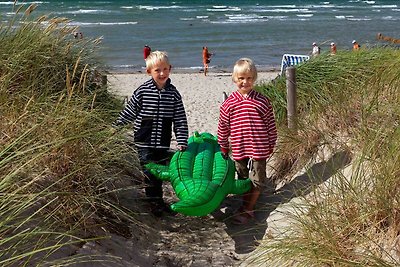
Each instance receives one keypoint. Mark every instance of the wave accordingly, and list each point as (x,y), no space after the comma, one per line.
(358,19)
(282,10)
(305,15)
(86,11)
(224,8)
(283,6)
(244,16)
(160,7)
(384,6)
(278,17)
(389,18)
(102,23)
(236,20)
(321,6)
(25,3)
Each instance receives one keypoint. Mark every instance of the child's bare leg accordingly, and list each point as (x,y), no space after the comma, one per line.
(246,212)
(250,198)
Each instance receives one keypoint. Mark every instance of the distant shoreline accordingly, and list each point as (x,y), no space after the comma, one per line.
(189,70)
(202,95)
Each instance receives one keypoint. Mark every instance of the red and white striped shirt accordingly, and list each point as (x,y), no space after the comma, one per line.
(249,123)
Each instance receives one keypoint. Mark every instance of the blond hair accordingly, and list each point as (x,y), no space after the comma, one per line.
(244,65)
(155,57)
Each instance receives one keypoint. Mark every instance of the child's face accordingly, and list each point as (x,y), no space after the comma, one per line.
(160,73)
(244,82)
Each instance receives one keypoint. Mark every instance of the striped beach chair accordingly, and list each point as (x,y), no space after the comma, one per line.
(292,60)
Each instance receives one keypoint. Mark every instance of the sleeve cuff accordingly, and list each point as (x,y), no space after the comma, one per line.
(224,150)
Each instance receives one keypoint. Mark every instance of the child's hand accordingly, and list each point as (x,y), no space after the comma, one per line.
(181,148)
(225,155)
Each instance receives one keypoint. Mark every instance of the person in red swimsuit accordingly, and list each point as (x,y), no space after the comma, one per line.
(146,51)
(206,59)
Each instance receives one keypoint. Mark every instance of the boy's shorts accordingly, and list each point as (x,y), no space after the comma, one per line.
(257,174)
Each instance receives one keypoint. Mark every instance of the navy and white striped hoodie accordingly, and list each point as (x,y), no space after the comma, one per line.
(153,112)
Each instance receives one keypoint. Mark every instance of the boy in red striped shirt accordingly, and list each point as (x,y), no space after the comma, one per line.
(247,119)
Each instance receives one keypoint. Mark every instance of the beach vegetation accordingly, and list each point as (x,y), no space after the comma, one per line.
(61,162)
(346,146)
(63,167)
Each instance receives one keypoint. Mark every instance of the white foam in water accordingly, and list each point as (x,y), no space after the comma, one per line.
(389,18)
(85,11)
(231,29)
(224,9)
(159,7)
(102,23)
(284,10)
(305,15)
(385,6)
(358,19)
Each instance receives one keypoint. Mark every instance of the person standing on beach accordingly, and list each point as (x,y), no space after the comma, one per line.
(206,59)
(356,46)
(247,120)
(154,109)
(146,51)
(315,50)
(333,48)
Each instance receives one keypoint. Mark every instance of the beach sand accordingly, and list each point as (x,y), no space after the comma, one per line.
(202,95)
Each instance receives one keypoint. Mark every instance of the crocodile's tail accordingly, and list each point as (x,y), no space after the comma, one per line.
(201,204)
(209,197)
(241,186)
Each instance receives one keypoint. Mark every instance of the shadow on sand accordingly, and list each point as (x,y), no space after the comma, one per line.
(246,237)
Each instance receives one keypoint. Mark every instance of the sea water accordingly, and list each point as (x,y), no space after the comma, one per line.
(261,30)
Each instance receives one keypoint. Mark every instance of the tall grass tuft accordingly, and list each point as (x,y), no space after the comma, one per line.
(347,101)
(60,161)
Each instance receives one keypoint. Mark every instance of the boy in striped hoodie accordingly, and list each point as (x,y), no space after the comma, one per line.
(155,109)
(247,122)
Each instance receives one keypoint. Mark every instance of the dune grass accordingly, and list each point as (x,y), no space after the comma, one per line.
(60,161)
(349,102)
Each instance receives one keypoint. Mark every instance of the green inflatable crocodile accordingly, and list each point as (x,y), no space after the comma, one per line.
(200,176)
